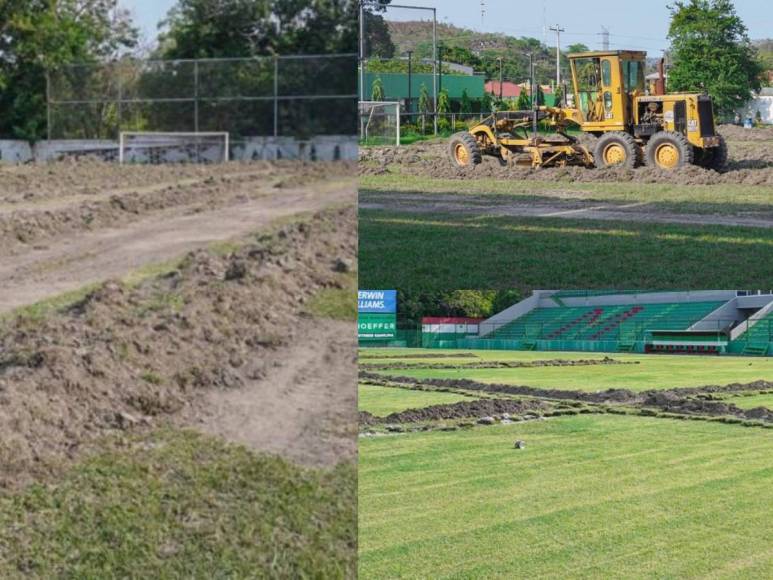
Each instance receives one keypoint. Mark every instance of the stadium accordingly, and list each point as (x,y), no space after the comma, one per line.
(702,322)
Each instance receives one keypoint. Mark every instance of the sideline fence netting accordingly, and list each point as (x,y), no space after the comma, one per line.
(286,96)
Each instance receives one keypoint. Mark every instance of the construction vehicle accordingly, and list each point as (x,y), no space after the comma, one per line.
(611,102)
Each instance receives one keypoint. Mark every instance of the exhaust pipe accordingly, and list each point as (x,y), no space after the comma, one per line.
(660,84)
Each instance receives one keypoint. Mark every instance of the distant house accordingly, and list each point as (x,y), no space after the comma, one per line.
(762,103)
(509,90)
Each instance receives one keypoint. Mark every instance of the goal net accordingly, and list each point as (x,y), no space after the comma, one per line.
(379,122)
(147,147)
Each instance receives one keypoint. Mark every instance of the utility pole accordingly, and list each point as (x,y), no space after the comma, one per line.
(410,73)
(440,67)
(558,30)
(534,104)
(499,58)
(605,38)
(362,50)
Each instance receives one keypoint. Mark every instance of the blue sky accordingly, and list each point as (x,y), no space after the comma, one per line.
(148,13)
(633,24)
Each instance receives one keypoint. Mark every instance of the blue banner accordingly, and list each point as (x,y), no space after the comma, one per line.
(377,301)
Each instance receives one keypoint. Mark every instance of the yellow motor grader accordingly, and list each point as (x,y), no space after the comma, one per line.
(611,102)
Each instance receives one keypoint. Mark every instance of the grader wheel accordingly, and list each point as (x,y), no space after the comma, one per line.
(463,150)
(616,149)
(668,150)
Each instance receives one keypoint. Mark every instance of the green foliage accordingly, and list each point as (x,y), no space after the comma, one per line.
(424,100)
(377,90)
(466,103)
(524,102)
(236,28)
(378,42)
(712,51)
(399,66)
(414,304)
(577,47)
(559,96)
(381,401)
(443,102)
(41,35)
(486,103)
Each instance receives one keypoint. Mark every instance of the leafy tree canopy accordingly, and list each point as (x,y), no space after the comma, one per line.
(38,35)
(243,28)
(711,51)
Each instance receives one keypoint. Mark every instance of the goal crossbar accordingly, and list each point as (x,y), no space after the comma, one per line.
(172,135)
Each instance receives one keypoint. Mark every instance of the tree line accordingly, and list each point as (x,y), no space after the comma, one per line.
(37,36)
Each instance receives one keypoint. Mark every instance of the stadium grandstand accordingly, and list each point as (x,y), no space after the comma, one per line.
(698,322)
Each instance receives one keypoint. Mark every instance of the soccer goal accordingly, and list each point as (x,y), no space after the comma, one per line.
(150,147)
(379,122)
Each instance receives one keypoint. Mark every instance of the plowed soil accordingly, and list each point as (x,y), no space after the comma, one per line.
(751,163)
(219,338)
(65,225)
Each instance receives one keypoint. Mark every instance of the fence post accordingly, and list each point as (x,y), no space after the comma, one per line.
(276,96)
(48,103)
(196,95)
(120,104)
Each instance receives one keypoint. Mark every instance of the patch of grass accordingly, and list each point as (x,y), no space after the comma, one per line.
(151,378)
(670,197)
(44,308)
(651,372)
(591,496)
(752,401)
(180,505)
(381,401)
(423,252)
(336,303)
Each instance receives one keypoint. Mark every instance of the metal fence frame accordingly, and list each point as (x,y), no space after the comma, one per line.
(195,98)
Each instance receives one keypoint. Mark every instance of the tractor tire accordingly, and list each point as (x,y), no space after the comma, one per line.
(668,150)
(463,150)
(616,149)
(719,156)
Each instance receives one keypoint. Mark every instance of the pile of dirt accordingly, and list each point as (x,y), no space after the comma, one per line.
(38,205)
(419,356)
(128,356)
(465,409)
(495,364)
(736,133)
(671,402)
(607,396)
(751,163)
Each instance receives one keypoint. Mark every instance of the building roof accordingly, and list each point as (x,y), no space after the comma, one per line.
(508,89)
(450,320)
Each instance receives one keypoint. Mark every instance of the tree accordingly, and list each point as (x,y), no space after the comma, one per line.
(466,104)
(711,51)
(377,90)
(559,95)
(246,28)
(424,103)
(378,41)
(577,47)
(37,36)
(486,103)
(524,102)
(443,102)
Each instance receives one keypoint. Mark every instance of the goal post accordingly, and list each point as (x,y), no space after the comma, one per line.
(171,147)
(379,122)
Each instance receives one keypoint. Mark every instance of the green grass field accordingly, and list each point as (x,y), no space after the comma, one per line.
(174,504)
(381,401)
(670,197)
(651,372)
(750,402)
(441,251)
(589,497)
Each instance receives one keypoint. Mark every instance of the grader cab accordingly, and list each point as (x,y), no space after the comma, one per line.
(633,125)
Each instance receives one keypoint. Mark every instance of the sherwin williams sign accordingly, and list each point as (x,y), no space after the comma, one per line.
(377,318)
(377,301)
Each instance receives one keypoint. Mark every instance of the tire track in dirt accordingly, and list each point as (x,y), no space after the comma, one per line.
(86,258)
(303,409)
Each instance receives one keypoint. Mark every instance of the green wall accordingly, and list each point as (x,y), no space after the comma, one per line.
(396,85)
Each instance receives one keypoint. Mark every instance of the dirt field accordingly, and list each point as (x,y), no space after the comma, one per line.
(63,226)
(751,163)
(197,345)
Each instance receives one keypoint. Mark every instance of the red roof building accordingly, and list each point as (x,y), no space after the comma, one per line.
(509,90)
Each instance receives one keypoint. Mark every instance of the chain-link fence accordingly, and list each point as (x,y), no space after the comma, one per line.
(284,96)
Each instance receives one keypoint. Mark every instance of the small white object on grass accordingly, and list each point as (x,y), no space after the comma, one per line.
(519,444)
